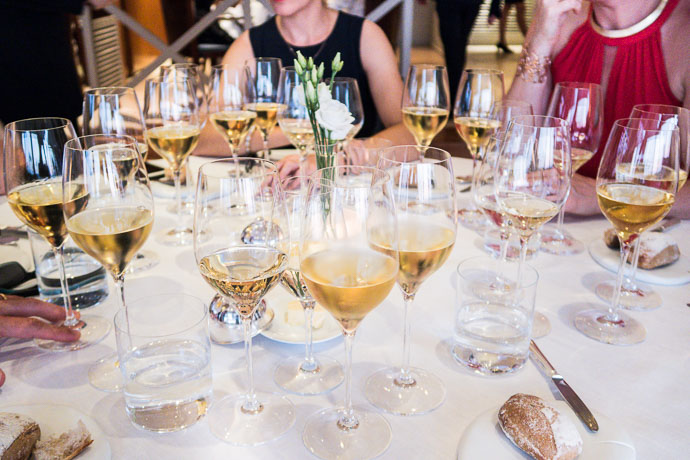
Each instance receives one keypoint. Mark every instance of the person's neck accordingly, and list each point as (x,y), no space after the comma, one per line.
(616,15)
(309,26)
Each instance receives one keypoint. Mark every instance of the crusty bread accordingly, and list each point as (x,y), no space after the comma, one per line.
(657,250)
(18,434)
(539,429)
(65,446)
(611,239)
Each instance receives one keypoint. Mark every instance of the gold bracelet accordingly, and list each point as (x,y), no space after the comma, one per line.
(533,68)
(3,296)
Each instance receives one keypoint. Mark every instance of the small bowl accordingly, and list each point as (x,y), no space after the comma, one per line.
(225,324)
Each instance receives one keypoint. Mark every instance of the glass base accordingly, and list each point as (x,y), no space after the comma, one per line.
(94,330)
(595,325)
(290,375)
(541,326)
(560,243)
(105,375)
(175,237)
(492,245)
(639,299)
(144,260)
(230,423)
(473,219)
(423,394)
(187,208)
(486,362)
(325,438)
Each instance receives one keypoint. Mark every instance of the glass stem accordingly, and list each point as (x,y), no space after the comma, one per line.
(503,256)
(70,318)
(524,241)
(251,404)
(348,421)
(612,315)
(474,171)
(309,364)
(120,284)
(559,226)
(303,162)
(629,283)
(405,379)
(179,228)
(264,137)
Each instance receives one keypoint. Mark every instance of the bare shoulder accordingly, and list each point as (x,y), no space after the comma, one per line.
(675,36)
(374,47)
(239,51)
(373,34)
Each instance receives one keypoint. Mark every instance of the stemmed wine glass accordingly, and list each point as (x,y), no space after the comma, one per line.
(349,278)
(116,110)
(308,374)
(635,296)
(115,220)
(263,77)
(231,195)
(194,73)
(171,111)
(426,102)
(424,197)
(476,120)
(637,183)
(33,168)
(582,106)
(346,90)
(293,117)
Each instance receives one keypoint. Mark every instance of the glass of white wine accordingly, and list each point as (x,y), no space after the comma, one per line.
(232,195)
(637,184)
(349,278)
(263,76)
(33,168)
(426,101)
(171,111)
(424,196)
(293,117)
(476,117)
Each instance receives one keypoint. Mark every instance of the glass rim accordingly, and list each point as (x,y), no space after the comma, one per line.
(383,175)
(677,110)
(429,67)
(577,84)
(620,124)
(483,70)
(521,120)
(98,91)
(122,311)
(524,284)
(181,65)
(128,138)
(263,59)
(203,168)
(12,125)
(383,150)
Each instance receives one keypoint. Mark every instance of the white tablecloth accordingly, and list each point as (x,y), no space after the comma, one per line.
(643,387)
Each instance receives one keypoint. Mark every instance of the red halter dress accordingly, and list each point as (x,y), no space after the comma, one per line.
(638,75)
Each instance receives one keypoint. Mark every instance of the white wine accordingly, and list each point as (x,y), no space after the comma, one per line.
(349,282)
(662,178)
(424,122)
(233,125)
(527,213)
(111,235)
(244,274)
(633,208)
(174,142)
(266,115)
(293,282)
(298,131)
(476,132)
(578,157)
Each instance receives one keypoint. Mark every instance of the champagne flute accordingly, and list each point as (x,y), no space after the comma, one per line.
(307,375)
(424,196)
(171,112)
(263,78)
(346,91)
(637,182)
(476,120)
(232,194)
(33,168)
(426,102)
(635,296)
(116,110)
(293,117)
(349,279)
(582,106)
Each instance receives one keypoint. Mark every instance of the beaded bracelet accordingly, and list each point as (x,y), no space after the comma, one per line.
(533,68)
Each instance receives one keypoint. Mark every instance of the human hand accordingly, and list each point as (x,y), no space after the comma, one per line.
(583,196)
(547,20)
(289,166)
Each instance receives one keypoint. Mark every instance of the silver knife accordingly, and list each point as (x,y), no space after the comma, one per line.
(666,224)
(570,396)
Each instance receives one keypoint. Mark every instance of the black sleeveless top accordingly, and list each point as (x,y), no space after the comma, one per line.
(345,37)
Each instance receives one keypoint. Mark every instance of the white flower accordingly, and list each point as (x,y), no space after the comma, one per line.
(324,93)
(334,116)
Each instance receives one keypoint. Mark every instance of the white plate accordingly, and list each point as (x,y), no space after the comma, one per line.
(56,419)
(671,275)
(280,331)
(483,438)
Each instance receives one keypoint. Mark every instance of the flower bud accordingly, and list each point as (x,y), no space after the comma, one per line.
(310,63)
(319,74)
(314,76)
(311,93)
(301,60)
(298,67)
(336,62)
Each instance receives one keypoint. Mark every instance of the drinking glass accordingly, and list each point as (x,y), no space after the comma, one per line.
(229,96)
(263,78)
(582,106)
(33,168)
(115,220)
(636,296)
(116,110)
(476,120)
(173,124)
(349,278)
(243,266)
(426,101)
(194,73)
(308,374)
(293,117)
(637,182)
(507,110)
(346,91)
(424,197)
(365,151)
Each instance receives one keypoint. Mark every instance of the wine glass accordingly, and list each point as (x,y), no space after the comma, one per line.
(582,106)
(426,101)
(346,91)
(507,110)
(195,73)
(637,182)
(116,110)
(308,374)
(231,195)
(635,296)
(263,78)
(33,168)
(424,197)
(228,98)
(293,117)
(349,279)
(476,120)
(171,112)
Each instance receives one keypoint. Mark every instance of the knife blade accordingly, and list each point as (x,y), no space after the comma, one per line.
(665,225)
(562,386)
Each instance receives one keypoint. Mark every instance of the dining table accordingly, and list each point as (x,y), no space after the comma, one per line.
(643,388)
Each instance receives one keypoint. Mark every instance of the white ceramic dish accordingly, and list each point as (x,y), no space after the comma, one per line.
(280,331)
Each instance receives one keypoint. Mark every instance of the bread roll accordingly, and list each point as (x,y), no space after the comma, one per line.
(18,434)
(657,250)
(65,446)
